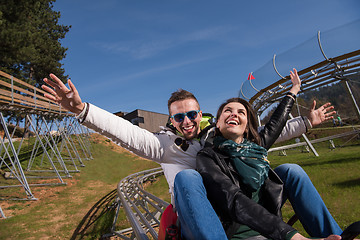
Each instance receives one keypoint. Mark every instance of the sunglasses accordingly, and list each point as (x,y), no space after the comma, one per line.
(179,117)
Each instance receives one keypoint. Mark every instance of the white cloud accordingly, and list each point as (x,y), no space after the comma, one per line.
(154,45)
(113,81)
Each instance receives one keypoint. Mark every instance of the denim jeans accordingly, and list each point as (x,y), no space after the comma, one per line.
(199,221)
(306,201)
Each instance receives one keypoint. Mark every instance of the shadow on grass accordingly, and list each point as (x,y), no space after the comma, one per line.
(338,161)
(98,220)
(348,184)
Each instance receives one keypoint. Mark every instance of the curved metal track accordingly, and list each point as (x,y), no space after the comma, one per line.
(343,66)
(324,73)
(142,208)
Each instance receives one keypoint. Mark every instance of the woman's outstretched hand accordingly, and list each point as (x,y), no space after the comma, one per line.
(320,115)
(296,82)
(66,98)
(298,236)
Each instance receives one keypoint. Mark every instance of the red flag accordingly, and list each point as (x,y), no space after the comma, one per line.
(251,77)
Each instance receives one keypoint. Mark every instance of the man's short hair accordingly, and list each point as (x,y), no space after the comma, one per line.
(179,95)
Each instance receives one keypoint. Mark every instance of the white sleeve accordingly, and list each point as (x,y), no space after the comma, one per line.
(293,128)
(135,139)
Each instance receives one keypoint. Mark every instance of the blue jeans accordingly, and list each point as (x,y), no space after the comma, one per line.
(306,201)
(199,221)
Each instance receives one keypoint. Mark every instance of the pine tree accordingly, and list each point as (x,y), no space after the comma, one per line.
(30,40)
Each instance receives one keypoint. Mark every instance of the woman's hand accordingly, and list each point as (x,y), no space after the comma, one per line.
(66,98)
(298,236)
(321,114)
(296,82)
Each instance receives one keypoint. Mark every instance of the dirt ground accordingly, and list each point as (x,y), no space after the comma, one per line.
(44,192)
(41,193)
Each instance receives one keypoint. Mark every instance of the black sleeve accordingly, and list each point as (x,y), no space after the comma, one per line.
(228,199)
(275,125)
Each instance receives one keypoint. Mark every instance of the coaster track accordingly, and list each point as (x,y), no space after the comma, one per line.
(341,68)
(142,208)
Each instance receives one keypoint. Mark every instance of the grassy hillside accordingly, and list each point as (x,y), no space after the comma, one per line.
(78,210)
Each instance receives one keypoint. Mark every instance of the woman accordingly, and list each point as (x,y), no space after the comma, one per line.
(244,191)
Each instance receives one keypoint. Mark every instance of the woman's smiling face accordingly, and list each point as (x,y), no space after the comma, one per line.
(232,122)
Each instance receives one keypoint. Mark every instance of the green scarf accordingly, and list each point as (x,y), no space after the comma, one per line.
(248,158)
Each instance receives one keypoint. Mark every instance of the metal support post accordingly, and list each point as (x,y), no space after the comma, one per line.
(307,141)
(46,153)
(352,98)
(17,170)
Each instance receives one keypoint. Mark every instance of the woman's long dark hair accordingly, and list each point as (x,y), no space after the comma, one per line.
(252,127)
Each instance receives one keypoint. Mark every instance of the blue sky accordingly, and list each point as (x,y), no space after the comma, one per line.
(127,55)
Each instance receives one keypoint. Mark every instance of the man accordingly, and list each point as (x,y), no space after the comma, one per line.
(174,149)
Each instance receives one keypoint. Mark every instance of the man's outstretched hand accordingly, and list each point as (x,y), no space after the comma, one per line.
(66,98)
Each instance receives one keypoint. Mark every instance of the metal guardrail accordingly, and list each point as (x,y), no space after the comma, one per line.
(19,96)
(142,208)
(354,132)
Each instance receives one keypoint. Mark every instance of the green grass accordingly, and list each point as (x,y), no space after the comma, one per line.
(335,174)
(82,208)
(160,189)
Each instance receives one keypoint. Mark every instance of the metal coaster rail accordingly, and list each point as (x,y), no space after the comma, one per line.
(337,69)
(142,208)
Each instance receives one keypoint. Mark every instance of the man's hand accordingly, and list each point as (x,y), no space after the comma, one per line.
(321,114)
(66,98)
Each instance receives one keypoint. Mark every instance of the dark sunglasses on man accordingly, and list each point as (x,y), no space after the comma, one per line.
(179,117)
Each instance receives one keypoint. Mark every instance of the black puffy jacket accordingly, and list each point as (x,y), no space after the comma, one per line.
(232,200)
